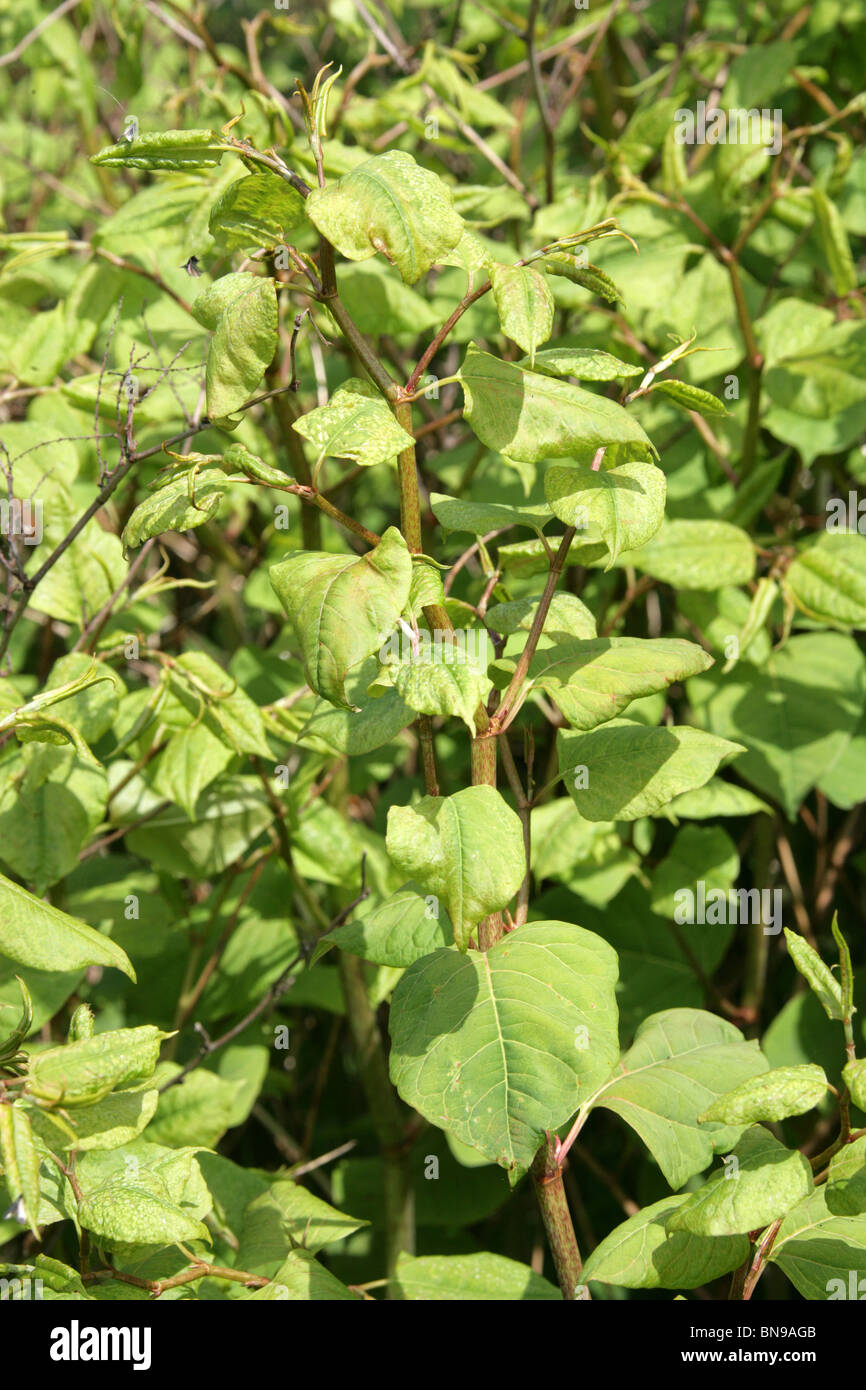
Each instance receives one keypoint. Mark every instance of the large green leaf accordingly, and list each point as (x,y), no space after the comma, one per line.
(210,694)
(79,1073)
(388,204)
(644,1253)
(241,309)
(466,848)
(178,506)
(142,1194)
(524,304)
(822,1253)
(587,364)
(846,1185)
(696,555)
(456,514)
(796,715)
(625,770)
(776,1095)
(398,932)
(302,1279)
(498,1046)
(256,211)
(594,680)
(285,1216)
(530,417)
(342,608)
(449,680)
(626,503)
(472,1278)
(813,384)
(356,424)
(107,1124)
(764,1183)
(679,1063)
(827,581)
(34,933)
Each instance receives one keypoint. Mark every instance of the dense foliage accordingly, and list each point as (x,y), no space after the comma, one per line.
(432,707)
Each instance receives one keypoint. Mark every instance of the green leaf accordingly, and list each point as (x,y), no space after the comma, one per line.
(587,364)
(94,691)
(846,1184)
(854,1076)
(108,1124)
(285,1216)
(212,695)
(170,149)
(776,1095)
(644,1253)
(448,680)
(466,848)
(716,798)
(689,397)
(190,761)
(698,854)
(367,724)
(472,1278)
(626,503)
(819,976)
(356,424)
(241,309)
(580,272)
(567,617)
(594,680)
(36,934)
(813,390)
(625,770)
(524,304)
(198,1110)
(256,211)
(142,1194)
(455,514)
(530,417)
(766,1181)
(498,1046)
(834,242)
(55,1281)
(388,204)
(302,1279)
(827,580)
(696,555)
(796,715)
(21,1160)
(400,930)
(342,608)
(172,508)
(822,1253)
(126,1213)
(80,1073)
(679,1063)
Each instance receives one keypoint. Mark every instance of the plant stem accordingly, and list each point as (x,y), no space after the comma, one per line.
(501,718)
(757,941)
(550,1191)
(385,1112)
